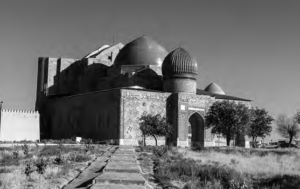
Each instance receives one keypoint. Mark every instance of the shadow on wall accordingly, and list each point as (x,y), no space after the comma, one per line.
(92,115)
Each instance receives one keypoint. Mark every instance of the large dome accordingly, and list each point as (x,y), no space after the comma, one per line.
(141,51)
(179,63)
(214,89)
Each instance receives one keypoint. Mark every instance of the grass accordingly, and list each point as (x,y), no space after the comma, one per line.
(74,158)
(260,162)
(226,168)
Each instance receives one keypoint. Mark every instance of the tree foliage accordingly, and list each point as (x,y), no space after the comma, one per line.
(261,124)
(155,126)
(288,127)
(297,117)
(228,118)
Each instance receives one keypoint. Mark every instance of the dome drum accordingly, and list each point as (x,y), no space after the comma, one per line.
(180,85)
(179,71)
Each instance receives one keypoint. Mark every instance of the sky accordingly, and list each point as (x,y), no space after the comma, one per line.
(249,48)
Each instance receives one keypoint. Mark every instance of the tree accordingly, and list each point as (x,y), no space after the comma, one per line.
(228,118)
(155,126)
(288,127)
(297,117)
(260,125)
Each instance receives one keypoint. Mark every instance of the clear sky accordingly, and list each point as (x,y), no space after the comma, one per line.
(249,48)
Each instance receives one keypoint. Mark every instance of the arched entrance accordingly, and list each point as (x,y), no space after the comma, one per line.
(196,130)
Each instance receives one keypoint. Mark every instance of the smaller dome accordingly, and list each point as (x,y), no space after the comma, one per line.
(214,89)
(179,63)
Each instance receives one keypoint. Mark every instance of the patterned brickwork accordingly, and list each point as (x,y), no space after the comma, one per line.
(135,103)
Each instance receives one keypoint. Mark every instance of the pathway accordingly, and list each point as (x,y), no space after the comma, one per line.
(116,168)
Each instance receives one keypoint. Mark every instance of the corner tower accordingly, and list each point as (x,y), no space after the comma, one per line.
(179,71)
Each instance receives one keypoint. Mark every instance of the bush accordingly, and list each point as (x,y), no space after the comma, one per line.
(25,149)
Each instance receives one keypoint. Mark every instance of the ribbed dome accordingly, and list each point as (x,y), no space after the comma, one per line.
(179,63)
(141,51)
(215,89)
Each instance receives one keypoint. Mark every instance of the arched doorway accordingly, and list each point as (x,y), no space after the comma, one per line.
(196,130)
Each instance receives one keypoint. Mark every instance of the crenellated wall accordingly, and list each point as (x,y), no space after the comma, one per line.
(19,125)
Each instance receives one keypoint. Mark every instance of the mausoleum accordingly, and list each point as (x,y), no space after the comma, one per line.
(103,95)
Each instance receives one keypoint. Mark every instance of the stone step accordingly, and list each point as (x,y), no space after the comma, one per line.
(120,178)
(125,156)
(120,159)
(126,149)
(117,186)
(122,167)
(124,152)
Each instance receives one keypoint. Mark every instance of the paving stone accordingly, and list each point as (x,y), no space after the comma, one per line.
(120,178)
(117,186)
(122,167)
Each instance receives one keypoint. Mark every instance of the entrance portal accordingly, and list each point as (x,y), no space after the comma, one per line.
(196,130)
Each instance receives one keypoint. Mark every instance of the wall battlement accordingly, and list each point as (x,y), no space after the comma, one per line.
(23,112)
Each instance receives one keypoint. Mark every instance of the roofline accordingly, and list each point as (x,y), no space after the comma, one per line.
(225,97)
(105,90)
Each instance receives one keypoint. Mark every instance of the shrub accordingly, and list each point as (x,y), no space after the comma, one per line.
(25,149)
(87,144)
(58,160)
(29,169)
(41,165)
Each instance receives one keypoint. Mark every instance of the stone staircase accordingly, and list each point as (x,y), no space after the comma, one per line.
(115,169)
(122,171)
